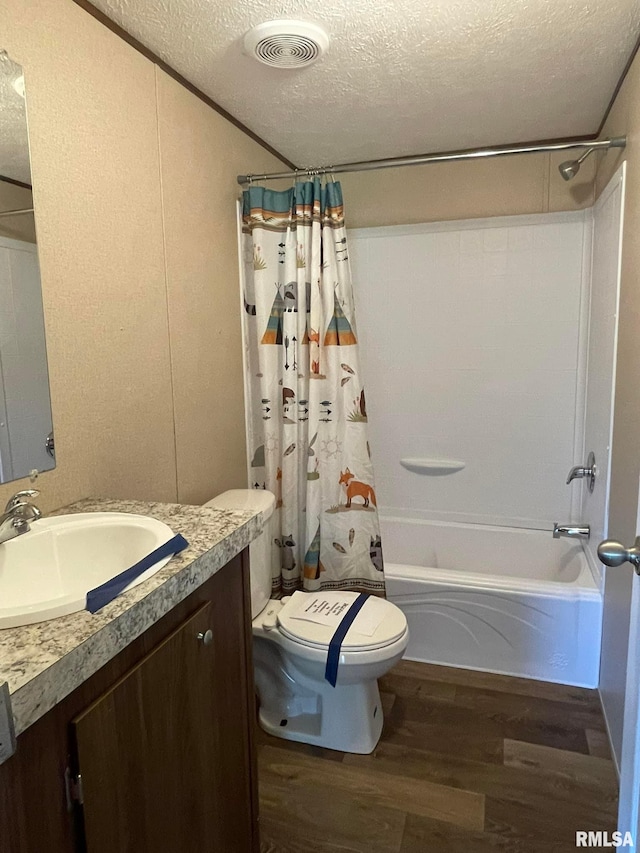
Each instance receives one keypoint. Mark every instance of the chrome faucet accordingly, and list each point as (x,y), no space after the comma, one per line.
(17,515)
(571,530)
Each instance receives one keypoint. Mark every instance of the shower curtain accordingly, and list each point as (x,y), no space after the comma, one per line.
(307,418)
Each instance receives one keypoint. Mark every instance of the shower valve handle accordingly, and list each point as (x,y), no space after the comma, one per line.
(588,472)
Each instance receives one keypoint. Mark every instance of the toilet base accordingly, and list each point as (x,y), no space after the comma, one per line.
(347,718)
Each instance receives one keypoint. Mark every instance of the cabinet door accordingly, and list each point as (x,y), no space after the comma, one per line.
(165,753)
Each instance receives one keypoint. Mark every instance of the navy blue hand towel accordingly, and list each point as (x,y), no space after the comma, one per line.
(106,592)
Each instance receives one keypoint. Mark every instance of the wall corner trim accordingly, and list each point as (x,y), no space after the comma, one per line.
(100,16)
(619,85)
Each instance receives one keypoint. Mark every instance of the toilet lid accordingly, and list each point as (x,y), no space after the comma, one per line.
(392,626)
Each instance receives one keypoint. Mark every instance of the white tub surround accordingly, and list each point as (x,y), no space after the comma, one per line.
(494,599)
(43,663)
(472,353)
(607,216)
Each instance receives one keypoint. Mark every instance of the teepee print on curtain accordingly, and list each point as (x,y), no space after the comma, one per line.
(273,332)
(307,419)
(339,332)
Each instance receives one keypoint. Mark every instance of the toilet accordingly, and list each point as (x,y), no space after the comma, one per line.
(290,655)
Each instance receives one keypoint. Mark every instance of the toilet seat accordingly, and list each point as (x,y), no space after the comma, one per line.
(312,635)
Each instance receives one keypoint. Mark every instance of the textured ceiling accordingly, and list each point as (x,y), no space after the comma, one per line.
(401,76)
(14,143)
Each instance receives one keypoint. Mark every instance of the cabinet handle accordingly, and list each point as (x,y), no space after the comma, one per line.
(206,637)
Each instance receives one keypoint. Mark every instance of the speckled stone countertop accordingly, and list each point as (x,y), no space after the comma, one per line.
(43,663)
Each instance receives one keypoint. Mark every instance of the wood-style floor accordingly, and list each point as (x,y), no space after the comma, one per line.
(467,763)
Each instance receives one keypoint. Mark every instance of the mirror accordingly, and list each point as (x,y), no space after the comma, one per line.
(26,428)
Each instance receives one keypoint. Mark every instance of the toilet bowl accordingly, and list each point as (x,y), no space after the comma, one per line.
(290,655)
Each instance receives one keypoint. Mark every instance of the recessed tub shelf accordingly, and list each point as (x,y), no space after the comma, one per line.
(434,467)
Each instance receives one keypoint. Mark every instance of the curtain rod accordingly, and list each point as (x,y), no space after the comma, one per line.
(446,156)
(16,212)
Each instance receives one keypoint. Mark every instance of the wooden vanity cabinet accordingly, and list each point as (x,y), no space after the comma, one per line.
(162,738)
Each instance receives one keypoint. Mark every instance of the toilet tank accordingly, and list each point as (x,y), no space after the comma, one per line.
(260,550)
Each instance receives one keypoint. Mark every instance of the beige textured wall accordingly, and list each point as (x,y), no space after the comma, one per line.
(199,192)
(18,227)
(625,467)
(523,183)
(96,172)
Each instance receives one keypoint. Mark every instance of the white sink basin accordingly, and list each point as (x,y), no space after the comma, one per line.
(47,572)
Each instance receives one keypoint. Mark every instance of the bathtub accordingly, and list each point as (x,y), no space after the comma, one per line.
(495,599)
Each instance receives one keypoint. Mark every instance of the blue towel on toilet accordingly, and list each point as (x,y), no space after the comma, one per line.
(335,643)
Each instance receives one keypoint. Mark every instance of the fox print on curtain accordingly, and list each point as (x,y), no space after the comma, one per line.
(307,418)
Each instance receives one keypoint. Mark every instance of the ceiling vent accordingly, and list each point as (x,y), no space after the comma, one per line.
(286,44)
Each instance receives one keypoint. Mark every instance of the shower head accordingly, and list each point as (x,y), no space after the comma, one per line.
(570,168)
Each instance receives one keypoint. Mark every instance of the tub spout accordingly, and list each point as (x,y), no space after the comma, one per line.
(571,530)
